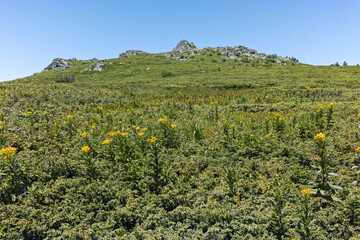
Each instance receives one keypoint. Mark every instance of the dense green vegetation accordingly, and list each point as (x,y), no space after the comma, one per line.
(154,148)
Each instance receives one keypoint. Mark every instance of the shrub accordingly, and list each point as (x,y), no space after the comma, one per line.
(165,74)
(65,78)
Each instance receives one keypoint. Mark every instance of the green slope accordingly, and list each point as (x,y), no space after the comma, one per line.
(196,149)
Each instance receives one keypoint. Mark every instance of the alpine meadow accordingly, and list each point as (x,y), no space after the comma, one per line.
(213,143)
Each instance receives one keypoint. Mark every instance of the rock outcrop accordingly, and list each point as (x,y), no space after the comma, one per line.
(184,51)
(236,52)
(59,64)
(184,47)
(130,53)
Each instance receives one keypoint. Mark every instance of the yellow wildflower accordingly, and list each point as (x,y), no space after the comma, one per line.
(144,129)
(172,125)
(331,105)
(85,149)
(93,126)
(123,134)
(69,117)
(320,108)
(189,100)
(107,141)
(152,139)
(306,192)
(357,150)
(114,133)
(100,108)
(29,112)
(137,128)
(320,137)
(8,152)
(140,134)
(44,112)
(84,134)
(164,119)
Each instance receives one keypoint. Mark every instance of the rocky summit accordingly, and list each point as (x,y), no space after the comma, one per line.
(184,51)
(184,47)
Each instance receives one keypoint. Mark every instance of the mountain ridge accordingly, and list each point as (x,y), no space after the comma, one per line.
(184,51)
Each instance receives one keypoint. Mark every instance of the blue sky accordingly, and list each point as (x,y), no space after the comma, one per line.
(319,32)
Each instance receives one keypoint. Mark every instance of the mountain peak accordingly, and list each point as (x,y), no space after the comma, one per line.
(184,47)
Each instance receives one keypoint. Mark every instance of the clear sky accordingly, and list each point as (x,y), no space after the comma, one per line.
(32,33)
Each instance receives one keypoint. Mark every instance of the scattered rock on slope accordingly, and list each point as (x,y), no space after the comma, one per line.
(96,66)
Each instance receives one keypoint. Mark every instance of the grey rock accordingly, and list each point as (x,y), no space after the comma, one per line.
(130,53)
(90,60)
(96,66)
(167,55)
(57,64)
(184,47)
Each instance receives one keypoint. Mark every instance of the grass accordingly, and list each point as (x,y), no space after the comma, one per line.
(131,153)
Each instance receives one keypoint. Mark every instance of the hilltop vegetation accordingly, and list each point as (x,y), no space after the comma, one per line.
(151,147)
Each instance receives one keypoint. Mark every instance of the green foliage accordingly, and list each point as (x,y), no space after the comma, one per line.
(278,222)
(231,178)
(353,209)
(165,74)
(65,78)
(206,172)
(306,223)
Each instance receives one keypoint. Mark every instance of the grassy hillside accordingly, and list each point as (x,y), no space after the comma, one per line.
(154,148)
